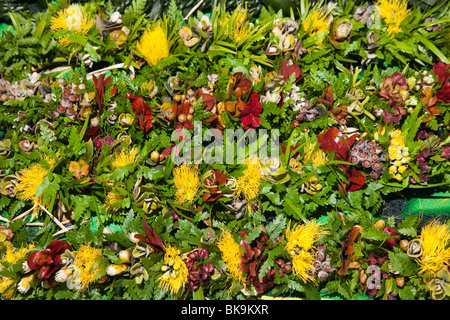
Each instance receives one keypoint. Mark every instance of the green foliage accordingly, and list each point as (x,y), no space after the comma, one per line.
(106,205)
(28,45)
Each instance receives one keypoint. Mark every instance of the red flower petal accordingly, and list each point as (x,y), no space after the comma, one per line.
(253,106)
(39,258)
(356,180)
(58,247)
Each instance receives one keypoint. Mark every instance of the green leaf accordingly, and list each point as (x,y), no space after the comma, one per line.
(408,293)
(253,234)
(276,226)
(39,29)
(408,226)
(198,294)
(402,263)
(411,231)
(430,46)
(311,292)
(78,39)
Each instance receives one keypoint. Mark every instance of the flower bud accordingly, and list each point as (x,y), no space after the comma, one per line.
(25,284)
(116,269)
(125,256)
(320,255)
(322,275)
(400,281)
(182,117)
(362,277)
(415,248)
(133,237)
(45,284)
(404,245)
(287,268)
(317,265)
(102,279)
(154,156)
(380,224)
(62,275)
(25,267)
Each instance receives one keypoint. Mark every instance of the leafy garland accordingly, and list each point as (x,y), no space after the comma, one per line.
(94,206)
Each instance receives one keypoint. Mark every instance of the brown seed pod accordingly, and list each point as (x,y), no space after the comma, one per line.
(400,281)
(380,224)
(404,245)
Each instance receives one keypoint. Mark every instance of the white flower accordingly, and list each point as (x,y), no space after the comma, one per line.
(25,267)
(428,79)
(412,101)
(204,23)
(133,238)
(255,73)
(271,97)
(212,78)
(299,104)
(25,284)
(124,256)
(412,82)
(62,275)
(116,17)
(116,269)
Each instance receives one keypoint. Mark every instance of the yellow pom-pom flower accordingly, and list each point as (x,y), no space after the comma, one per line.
(435,240)
(393,12)
(29,181)
(231,255)
(176,273)
(12,255)
(153,45)
(124,158)
(300,246)
(316,23)
(88,265)
(249,183)
(186,183)
(73,18)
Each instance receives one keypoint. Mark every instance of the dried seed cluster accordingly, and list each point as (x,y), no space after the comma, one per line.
(322,266)
(369,154)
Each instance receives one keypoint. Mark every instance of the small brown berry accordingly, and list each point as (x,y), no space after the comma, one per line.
(279,261)
(400,281)
(154,156)
(363,277)
(404,245)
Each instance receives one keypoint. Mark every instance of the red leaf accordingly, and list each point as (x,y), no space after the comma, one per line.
(142,110)
(334,140)
(286,71)
(327,99)
(58,247)
(347,249)
(154,241)
(114,91)
(100,84)
(38,258)
(208,100)
(253,106)
(356,180)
